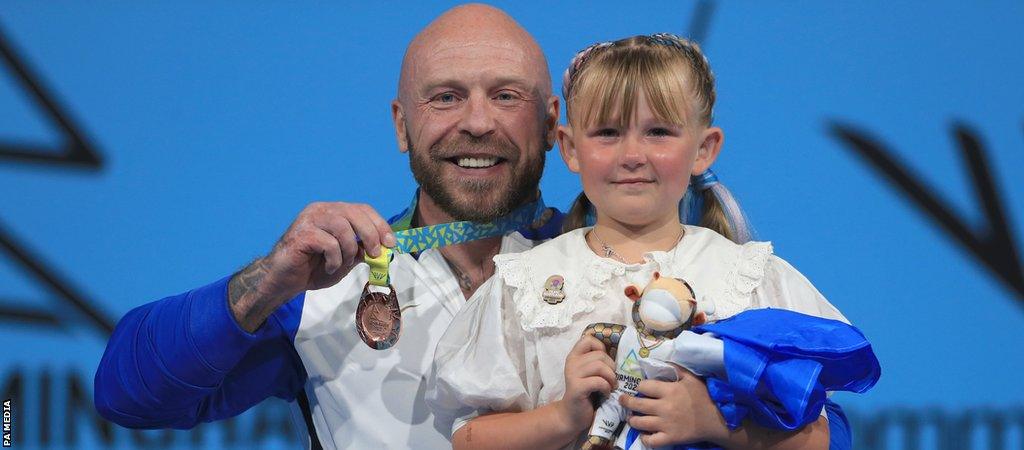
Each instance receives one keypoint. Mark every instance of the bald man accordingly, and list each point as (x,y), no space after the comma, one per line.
(476,115)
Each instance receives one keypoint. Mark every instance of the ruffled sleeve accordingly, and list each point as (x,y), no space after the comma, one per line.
(745,274)
(786,288)
(483,363)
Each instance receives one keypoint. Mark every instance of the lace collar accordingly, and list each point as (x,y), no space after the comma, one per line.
(736,271)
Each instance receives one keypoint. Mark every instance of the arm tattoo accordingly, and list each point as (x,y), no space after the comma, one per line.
(245,286)
(246,281)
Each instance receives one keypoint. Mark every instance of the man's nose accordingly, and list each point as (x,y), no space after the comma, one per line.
(477,117)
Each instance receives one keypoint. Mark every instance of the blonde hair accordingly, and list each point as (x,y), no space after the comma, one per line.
(603,82)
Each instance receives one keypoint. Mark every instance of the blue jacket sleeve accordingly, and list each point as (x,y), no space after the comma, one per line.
(183,360)
(839,436)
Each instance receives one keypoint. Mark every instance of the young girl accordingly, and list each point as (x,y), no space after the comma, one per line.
(639,134)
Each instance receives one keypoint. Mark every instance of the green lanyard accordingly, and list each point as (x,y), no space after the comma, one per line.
(415,240)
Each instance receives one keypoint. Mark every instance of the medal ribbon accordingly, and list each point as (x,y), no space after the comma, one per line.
(416,240)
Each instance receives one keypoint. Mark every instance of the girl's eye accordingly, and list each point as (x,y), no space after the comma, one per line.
(607,132)
(660,132)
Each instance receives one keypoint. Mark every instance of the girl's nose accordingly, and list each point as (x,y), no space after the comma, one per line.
(633,155)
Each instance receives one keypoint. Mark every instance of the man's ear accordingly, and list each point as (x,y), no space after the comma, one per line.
(710,146)
(398,118)
(551,121)
(567,147)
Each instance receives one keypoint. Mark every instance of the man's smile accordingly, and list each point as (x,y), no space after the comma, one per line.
(476,161)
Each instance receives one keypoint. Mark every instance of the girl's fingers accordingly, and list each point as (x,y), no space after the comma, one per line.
(650,424)
(602,370)
(581,368)
(586,344)
(596,384)
(595,355)
(654,388)
(654,440)
(639,405)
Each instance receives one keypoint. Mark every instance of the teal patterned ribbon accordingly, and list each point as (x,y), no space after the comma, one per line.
(416,240)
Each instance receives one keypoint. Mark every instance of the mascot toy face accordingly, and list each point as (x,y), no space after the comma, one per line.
(666,304)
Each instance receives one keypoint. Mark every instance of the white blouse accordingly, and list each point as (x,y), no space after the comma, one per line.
(506,350)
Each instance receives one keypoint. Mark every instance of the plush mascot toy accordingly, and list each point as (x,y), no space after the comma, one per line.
(661,312)
(771,366)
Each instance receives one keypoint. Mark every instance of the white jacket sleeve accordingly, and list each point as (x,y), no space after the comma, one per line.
(786,288)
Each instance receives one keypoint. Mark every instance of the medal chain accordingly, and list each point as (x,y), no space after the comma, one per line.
(645,350)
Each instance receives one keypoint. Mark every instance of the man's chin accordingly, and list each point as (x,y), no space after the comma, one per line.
(479,207)
(476,198)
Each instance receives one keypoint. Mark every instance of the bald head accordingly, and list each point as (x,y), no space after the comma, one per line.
(465,32)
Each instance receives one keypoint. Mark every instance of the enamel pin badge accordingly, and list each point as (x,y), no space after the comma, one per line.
(553,290)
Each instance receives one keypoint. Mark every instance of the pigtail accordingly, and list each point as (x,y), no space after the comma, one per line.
(709,204)
(579,214)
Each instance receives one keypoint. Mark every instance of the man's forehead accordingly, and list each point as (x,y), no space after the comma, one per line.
(468,41)
(473,48)
(491,58)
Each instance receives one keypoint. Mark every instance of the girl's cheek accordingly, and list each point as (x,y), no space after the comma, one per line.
(595,165)
(672,165)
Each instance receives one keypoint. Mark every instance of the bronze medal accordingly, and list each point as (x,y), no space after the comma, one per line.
(378,318)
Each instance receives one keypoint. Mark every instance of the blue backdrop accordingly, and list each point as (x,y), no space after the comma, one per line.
(213,125)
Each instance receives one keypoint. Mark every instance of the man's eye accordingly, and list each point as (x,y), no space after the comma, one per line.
(446,98)
(505,96)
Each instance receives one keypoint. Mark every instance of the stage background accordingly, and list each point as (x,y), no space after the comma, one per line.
(202,129)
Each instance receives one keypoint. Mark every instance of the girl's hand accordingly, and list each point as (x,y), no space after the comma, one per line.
(588,368)
(678,412)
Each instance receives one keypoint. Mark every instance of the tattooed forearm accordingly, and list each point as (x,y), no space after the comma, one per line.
(249,309)
(247,281)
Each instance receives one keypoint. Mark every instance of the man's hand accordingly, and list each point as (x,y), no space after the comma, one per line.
(320,247)
(588,369)
(678,412)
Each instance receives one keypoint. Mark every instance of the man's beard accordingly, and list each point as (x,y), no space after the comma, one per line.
(476,200)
